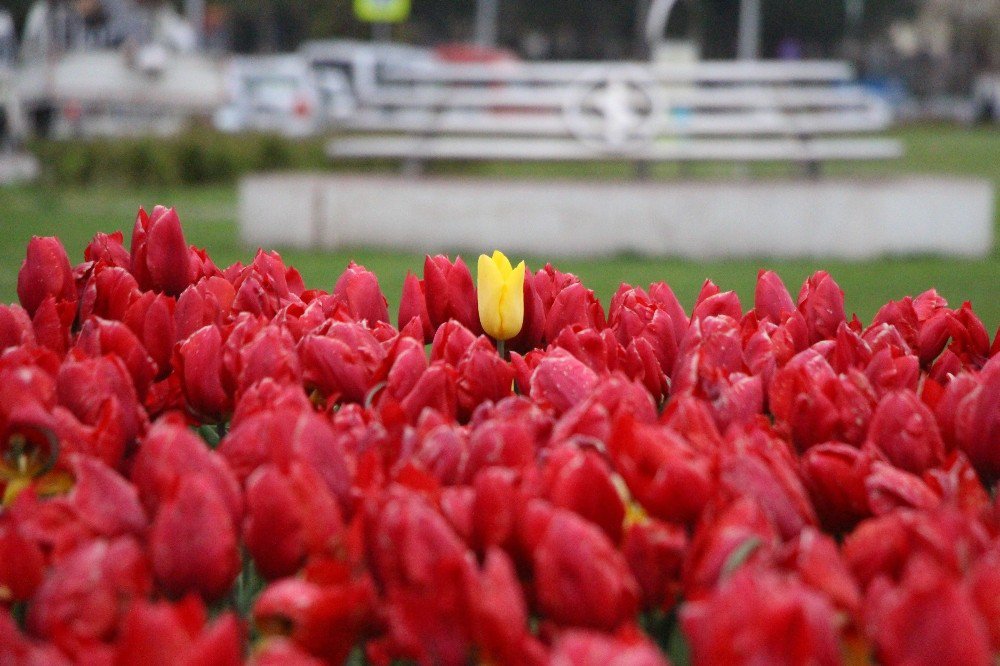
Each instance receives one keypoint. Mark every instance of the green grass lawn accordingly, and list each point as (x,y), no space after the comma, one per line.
(209,217)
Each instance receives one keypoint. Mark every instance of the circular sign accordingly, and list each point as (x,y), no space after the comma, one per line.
(613,109)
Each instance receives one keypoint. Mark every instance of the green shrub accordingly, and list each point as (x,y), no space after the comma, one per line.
(199,156)
(274,153)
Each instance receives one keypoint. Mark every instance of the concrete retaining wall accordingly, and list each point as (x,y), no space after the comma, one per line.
(786,218)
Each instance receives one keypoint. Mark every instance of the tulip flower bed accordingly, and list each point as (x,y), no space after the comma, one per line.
(207,465)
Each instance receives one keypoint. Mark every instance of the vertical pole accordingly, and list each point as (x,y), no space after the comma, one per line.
(748,46)
(194,10)
(487,22)
(381,32)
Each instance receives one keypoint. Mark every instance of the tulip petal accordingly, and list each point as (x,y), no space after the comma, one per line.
(491,286)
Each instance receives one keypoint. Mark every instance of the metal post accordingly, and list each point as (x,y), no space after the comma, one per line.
(381,32)
(748,46)
(194,11)
(487,22)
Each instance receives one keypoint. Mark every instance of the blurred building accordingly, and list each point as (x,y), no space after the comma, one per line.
(55,27)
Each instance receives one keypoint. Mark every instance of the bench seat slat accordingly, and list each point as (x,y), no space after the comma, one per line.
(726,150)
(554,124)
(556,97)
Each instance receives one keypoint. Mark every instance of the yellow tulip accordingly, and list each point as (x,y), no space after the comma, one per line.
(501,296)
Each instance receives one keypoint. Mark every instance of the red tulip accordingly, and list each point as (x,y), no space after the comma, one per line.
(15,327)
(413,305)
(835,474)
(289,516)
(815,558)
(928,619)
(193,541)
(760,617)
(482,376)
(814,404)
(735,536)
(358,289)
(890,488)
(163,634)
(46,273)
(581,482)
(427,574)
(83,597)
(100,336)
(983,582)
(84,384)
(561,381)
(270,353)
(108,292)
(508,434)
(21,563)
(342,362)
(755,464)
(160,258)
(712,302)
(170,452)
(103,500)
(500,625)
(655,553)
(265,286)
(821,302)
(969,414)
(326,621)
(580,579)
(19,649)
(450,293)
(641,321)
(109,250)
(772,302)
(669,478)
(206,303)
(286,433)
(881,547)
(578,647)
(198,364)
(904,429)
(151,318)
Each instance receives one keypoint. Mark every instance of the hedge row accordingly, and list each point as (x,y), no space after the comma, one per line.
(195,157)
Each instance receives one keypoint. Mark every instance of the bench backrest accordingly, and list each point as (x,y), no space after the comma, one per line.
(572,109)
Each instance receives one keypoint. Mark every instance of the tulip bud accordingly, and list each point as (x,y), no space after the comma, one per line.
(45,272)
(501,296)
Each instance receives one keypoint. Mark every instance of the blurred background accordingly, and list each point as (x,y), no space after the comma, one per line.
(106,105)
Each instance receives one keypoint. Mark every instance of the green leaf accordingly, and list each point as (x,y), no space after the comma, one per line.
(678,648)
(740,555)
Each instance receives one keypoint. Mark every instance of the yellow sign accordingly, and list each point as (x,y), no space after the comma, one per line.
(382,11)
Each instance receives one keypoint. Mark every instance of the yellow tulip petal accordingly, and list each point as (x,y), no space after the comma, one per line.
(502,262)
(501,296)
(490,289)
(512,303)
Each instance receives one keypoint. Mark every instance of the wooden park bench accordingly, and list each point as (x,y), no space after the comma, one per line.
(806,112)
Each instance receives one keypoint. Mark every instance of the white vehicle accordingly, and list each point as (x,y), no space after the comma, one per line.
(347,71)
(307,92)
(271,94)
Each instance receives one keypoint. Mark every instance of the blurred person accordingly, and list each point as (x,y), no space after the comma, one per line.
(8,38)
(54,27)
(159,23)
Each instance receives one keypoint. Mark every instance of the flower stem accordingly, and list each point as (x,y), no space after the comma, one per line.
(502,349)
